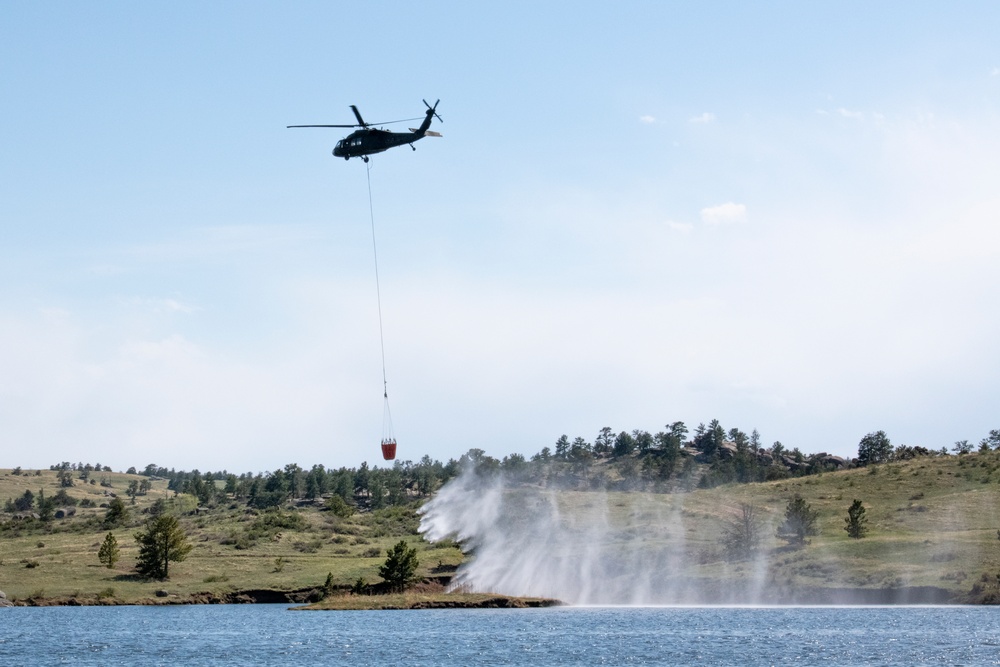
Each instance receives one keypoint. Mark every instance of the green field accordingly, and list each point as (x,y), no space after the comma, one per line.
(234,548)
(934,521)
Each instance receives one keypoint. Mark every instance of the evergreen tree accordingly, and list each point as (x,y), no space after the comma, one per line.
(339,506)
(25,503)
(742,537)
(962,447)
(679,430)
(857,522)
(162,541)
(562,447)
(800,522)
(117,514)
(46,507)
(109,552)
(624,445)
(361,479)
(604,441)
(400,566)
(133,490)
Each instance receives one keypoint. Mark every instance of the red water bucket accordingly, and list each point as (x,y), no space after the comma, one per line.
(389,449)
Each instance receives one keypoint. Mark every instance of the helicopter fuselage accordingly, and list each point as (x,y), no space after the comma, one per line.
(368,141)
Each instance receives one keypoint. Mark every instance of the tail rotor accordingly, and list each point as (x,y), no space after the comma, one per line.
(433,110)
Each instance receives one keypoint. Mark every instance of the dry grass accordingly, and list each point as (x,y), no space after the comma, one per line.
(933,522)
(67,563)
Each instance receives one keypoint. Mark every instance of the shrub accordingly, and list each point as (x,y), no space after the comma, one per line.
(339,506)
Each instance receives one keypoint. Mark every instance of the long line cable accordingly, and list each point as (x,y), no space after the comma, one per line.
(386,416)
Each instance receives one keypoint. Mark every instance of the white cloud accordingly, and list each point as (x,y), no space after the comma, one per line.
(847,113)
(706,117)
(648,120)
(724,214)
(995,72)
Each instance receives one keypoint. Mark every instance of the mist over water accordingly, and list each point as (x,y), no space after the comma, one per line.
(585,548)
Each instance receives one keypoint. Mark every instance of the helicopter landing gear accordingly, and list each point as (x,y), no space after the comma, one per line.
(413,147)
(365,158)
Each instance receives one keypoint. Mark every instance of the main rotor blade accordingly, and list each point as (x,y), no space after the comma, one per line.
(288,126)
(357,114)
(390,122)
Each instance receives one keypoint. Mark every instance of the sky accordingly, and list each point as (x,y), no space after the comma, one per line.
(781,215)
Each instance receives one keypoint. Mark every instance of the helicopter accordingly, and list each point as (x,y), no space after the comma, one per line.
(369,140)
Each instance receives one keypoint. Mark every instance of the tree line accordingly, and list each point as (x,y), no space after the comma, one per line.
(672,459)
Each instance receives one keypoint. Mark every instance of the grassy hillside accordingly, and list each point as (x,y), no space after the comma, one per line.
(933,522)
(235,548)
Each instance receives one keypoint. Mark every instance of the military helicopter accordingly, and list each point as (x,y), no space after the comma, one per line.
(369,140)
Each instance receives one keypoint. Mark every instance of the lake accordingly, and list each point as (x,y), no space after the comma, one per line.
(272,635)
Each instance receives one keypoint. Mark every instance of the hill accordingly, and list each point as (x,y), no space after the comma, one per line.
(237,550)
(933,536)
(933,527)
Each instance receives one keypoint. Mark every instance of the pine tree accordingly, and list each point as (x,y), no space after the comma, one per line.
(163,541)
(857,522)
(800,522)
(109,552)
(400,566)
(742,536)
(117,514)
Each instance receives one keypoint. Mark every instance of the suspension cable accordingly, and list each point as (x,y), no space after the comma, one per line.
(386,416)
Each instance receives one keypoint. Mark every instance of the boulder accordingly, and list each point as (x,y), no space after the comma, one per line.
(4,602)
(832,460)
(727,450)
(792,464)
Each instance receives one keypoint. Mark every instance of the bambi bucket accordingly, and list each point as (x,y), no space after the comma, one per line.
(388,449)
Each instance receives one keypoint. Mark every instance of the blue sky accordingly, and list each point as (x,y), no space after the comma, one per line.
(784,216)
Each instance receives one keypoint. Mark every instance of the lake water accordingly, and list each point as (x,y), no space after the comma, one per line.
(272,635)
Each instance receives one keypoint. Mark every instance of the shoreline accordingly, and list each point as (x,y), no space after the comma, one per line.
(311,599)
